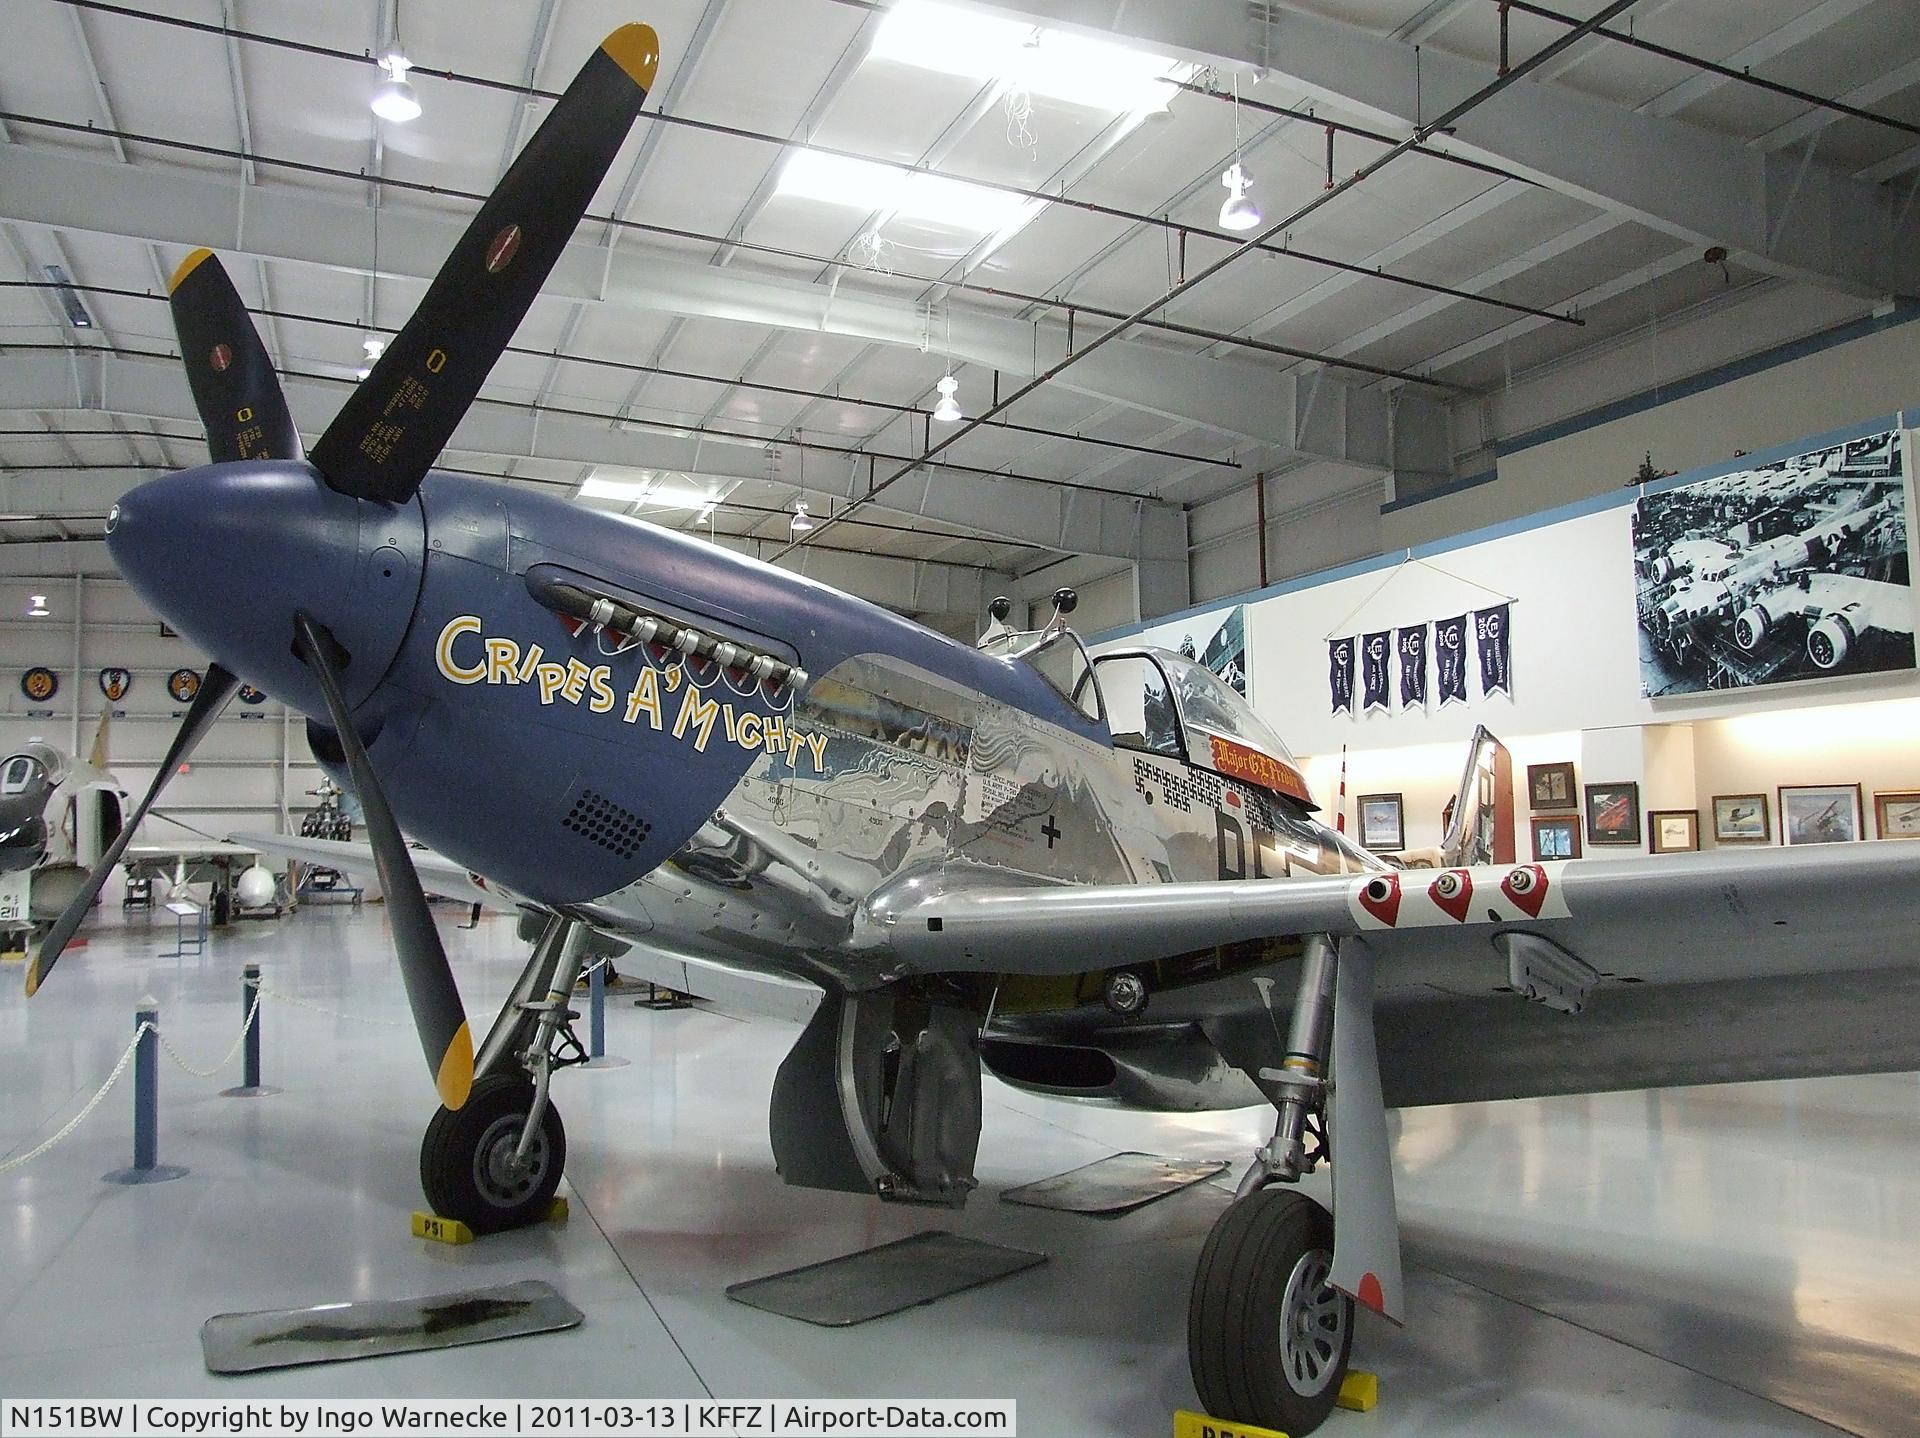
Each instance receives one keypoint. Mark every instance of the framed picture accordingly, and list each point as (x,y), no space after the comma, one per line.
(1819,813)
(1613,813)
(1550,786)
(1896,814)
(1382,821)
(1742,819)
(1673,831)
(1556,836)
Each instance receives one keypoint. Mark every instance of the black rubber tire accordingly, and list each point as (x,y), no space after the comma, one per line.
(449,1156)
(1234,1323)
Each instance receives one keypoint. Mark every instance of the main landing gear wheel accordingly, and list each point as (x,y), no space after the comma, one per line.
(1267,1339)
(466,1159)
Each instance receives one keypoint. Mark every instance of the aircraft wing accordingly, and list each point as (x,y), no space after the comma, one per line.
(213,849)
(1684,968)
(438,875)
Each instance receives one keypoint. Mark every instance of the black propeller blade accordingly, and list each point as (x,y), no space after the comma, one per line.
(215,690)
(437,1011)
(381,443)
(234,386)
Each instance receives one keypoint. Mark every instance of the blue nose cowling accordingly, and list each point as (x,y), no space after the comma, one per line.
(228,553)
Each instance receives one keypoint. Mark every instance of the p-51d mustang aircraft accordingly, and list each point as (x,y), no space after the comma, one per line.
(1099,878)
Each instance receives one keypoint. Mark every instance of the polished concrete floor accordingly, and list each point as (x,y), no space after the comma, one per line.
(1736,1260)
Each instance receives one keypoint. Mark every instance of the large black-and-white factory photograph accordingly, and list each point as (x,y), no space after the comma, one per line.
(1791,570)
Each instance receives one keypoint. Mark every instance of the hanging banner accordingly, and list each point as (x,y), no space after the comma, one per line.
(1375,656)
(114,683)
(1490,630)
(183,684)
(249,695)
(1450,658)
(1340,673)
(1411,642)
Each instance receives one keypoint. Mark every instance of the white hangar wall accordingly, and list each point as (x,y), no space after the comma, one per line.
(1577,689)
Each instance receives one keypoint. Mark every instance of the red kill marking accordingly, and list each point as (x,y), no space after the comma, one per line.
(1384,907)
(1233,798)
(1371,1295)
(1527,888)
(1452,892)
(501,252)
(221,357)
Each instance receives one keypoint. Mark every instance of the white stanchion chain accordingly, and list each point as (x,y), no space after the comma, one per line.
(93,1103)
(181,1063)
(300,1003)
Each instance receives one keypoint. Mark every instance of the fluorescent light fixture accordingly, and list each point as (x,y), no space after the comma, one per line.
(1238,212)
(626,490)
(374,346)
(650,489)
(866,185)
(363,371)
(393,98)
(38,609)
(1097,74)
(76,312)
(947,411)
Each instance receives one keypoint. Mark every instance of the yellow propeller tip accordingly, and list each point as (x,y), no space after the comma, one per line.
(635,49)
(33,976)
(454,1078)
(188,266)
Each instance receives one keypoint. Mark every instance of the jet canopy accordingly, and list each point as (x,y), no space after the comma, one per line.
(37,764)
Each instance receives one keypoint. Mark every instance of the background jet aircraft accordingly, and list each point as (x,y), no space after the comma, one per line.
(1096,878)
(57,817)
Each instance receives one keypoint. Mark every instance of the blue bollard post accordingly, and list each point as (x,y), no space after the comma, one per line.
(146,1090)
(147,1167)
(597,1020)
(250,1085)
(250,1015)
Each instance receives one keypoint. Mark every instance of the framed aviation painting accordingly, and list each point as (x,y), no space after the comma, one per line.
(1673,831)
(1819,813)
(1613,813)
(1742,819)
(1896,814)
(1556,836)
(1550,786)
(1382,821)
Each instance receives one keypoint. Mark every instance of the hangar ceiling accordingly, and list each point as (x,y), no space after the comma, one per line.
(833,203)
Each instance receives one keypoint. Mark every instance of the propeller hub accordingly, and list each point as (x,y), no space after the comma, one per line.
(228,553)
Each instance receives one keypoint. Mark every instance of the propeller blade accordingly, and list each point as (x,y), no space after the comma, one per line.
(396,423)
(215,690)
(437,1011)
(234,386)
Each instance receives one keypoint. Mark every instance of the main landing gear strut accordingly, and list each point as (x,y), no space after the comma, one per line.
(1271,1318)
(494,1162)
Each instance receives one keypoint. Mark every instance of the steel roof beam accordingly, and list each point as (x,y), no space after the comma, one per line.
(1823,228)
(1006,510)
(177,207)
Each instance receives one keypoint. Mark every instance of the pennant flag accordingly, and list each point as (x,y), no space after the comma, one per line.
(1491,630)
(1450,658)
(1375,655)
(1340,673)
(1412,644)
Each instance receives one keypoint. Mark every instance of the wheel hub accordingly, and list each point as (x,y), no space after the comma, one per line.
(499,1179)
(1313,1324)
